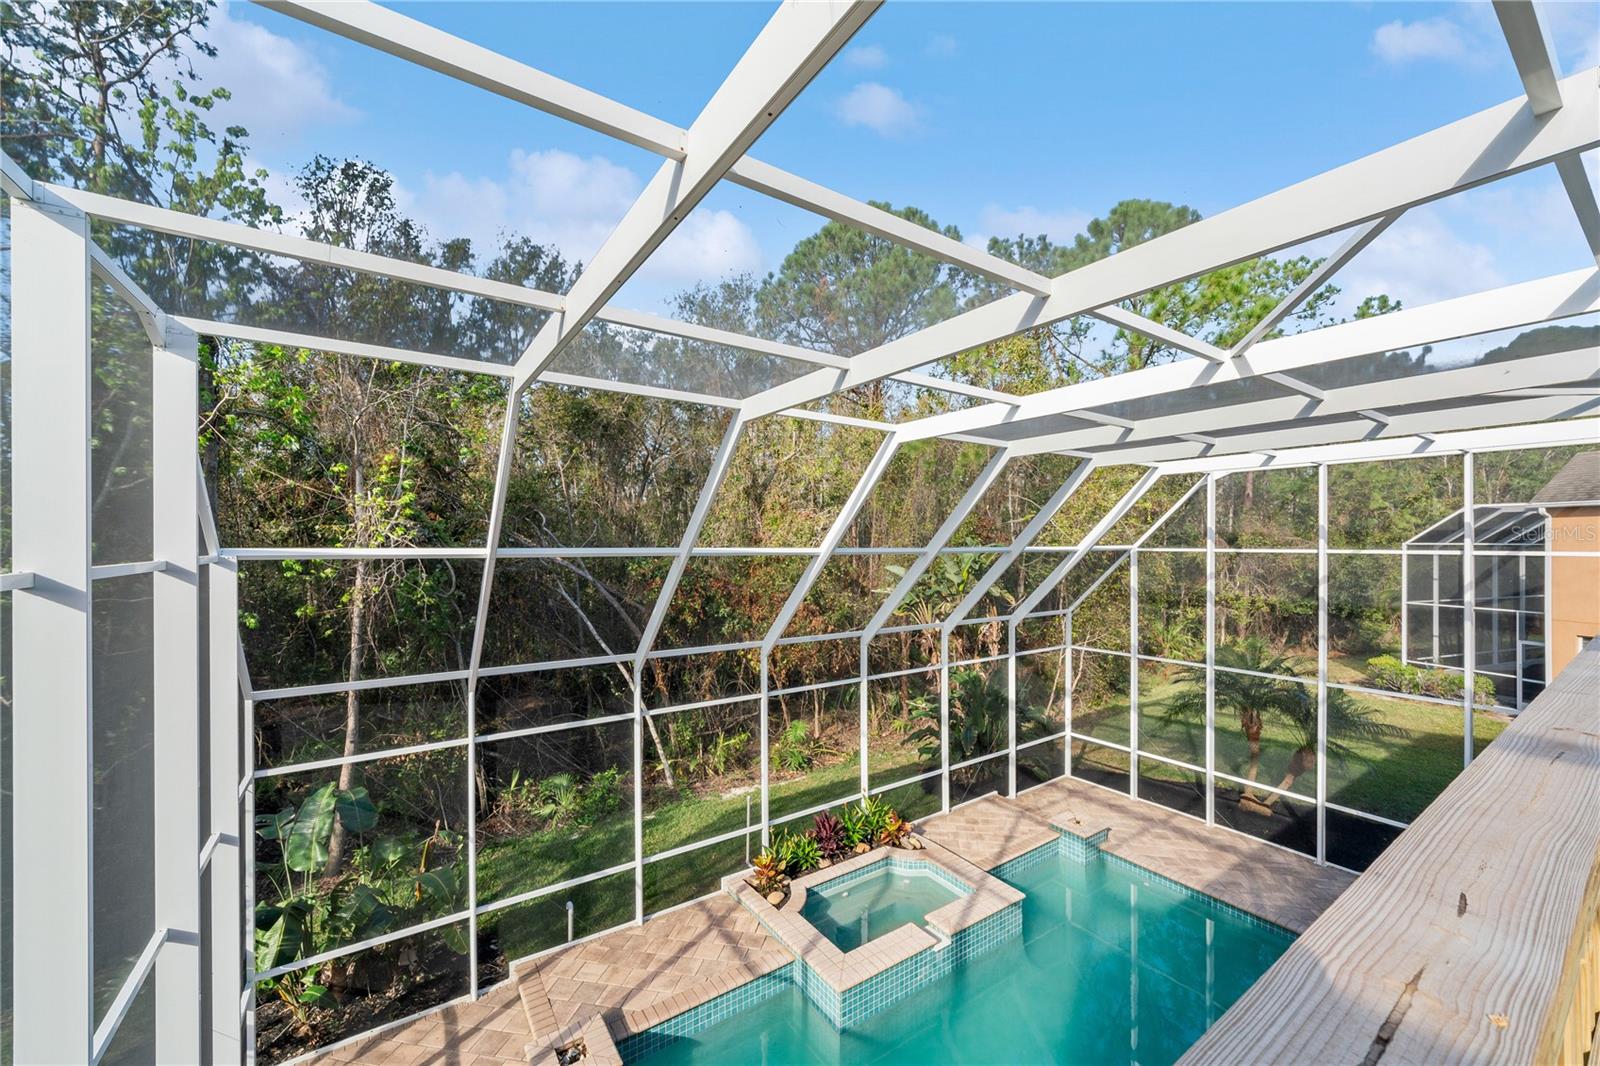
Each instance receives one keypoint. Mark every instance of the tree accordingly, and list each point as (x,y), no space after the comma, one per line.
(844,290)
(341,450)
(1346,719)
(1239,691)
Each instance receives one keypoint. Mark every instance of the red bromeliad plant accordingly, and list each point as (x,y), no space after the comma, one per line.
(829,834)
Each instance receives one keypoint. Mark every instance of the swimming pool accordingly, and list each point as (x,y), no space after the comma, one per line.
(1113,965)
(857,911)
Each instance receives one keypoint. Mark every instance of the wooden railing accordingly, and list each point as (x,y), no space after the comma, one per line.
(1475,938)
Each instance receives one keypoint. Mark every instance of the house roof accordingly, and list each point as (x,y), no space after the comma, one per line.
(1578,480)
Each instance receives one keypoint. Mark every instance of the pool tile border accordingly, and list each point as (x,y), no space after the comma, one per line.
(707,1014)
(848,987)
(931,959)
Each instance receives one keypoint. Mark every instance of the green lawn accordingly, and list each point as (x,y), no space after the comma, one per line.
(1395,777)
(521,863)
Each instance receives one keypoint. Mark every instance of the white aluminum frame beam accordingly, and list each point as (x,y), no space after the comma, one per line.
(792,48)
(1541,300)
(178,223)
(1531,375)
(1573,431)
(1318,277)
(1494,143)
(175,594)
(941,537)
(1540,70)
(1019,546)
(1335,431)
(1094,536)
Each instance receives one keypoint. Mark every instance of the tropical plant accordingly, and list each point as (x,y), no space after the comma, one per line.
(1347,720)
(304,833)
(829,833)
(853,824)
(895,831)
(980,719)
(767,876)
(1239,691)
(875,815)
(796,748)
(801,853)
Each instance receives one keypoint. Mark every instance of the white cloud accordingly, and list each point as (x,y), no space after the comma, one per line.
(879,108)
(940,46)
(277,86)
(1575,30)
(866,57)
(1470,35)
(1421,259)
(1434,38)
(997,221)
(707,246)
(574,202)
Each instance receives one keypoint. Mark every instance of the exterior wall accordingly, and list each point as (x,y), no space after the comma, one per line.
(1574,584)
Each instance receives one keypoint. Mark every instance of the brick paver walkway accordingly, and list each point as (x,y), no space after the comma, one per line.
(636,977)
(1280,886)
(490,1032)
(642,975)
(988,832)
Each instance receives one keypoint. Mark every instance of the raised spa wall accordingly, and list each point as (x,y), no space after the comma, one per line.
(850,986)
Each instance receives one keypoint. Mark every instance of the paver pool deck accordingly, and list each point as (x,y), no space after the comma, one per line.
(626,981)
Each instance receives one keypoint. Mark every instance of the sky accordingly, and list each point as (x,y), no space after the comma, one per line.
(998,118)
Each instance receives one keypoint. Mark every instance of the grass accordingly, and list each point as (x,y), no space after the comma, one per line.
(1394,777)
(520,863)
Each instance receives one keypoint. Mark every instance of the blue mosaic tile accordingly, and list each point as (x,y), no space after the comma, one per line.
(707,1014)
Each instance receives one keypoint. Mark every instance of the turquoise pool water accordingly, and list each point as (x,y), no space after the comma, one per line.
(1113,966)
(867,907)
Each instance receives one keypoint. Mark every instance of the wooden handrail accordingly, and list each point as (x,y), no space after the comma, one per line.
(1475,938)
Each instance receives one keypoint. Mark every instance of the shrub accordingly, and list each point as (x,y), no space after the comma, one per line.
(1388,672)
(797,852)
(796,749)
(768,875)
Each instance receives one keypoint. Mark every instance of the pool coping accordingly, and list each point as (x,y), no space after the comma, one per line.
(847,986)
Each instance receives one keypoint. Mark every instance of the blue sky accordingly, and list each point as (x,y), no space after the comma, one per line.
(994,117)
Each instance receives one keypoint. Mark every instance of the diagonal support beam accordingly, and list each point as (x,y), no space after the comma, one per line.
(1172,338)
(836,533)
(1101,528)
(1532,52)
(1138,543)
(941,537)
(793,47)
(1029,533)
(1314,281)
(1535,56)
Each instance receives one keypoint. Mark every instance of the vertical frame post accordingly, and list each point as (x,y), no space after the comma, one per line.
(1322,662)
(1211,649)
(228,931)
(1011,711)
(944,721)
(53,764)
(1469,604)
(1133,674)
(176,589)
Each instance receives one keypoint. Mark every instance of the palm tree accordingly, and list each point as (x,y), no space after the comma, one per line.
(1346,719)
(1248,696)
